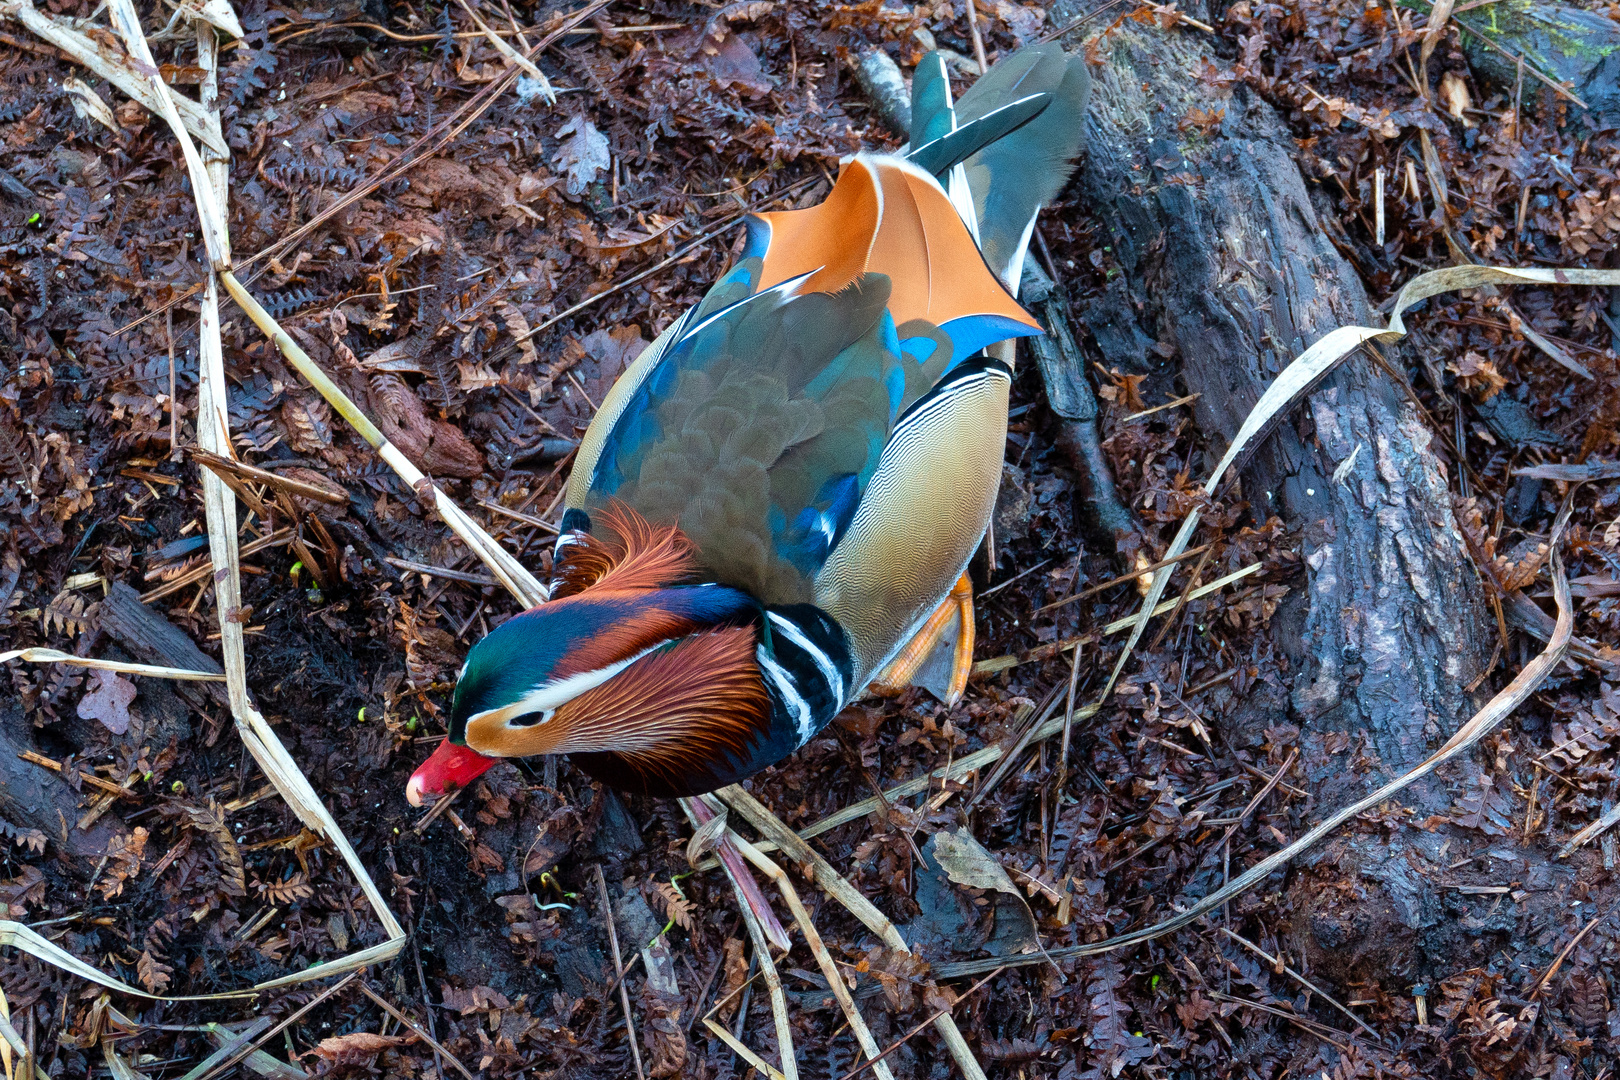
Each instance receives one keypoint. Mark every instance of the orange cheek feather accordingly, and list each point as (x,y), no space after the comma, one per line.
(450,768)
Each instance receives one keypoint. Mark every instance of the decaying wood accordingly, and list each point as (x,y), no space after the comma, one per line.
(1063,372)
(1223,266)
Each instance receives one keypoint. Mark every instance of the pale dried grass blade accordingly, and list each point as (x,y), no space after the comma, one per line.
(824,960)
(214,433)
(1590,832)
(511,573)
(108,64)
(1481,724)
(1314,365)
(765,1068)
(512,55)
(697,809)
(18,936)
(53,656)
(127,22)
(832,883)
(1439,16)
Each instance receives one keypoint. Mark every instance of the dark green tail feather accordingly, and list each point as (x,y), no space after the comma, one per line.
(1012,177)
(956,147)
(931,114)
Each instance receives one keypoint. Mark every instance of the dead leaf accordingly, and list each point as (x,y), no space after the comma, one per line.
(88,104)
(18,894)
(583,154)
(1454,92)
(153,973)
(478,999)
(732,63)
(1024,22)
(1478,376)
(123,861)
(966,862)
(108,700)
(356,1048)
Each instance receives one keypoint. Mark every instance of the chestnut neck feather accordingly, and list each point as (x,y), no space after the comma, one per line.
(680,720)
(644,556)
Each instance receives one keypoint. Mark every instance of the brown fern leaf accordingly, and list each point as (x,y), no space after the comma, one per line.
(294,888)
(1583,736)
(32,839)
(25,890)
(309,422)
(1588,1000)
(1592,222)
(66,614)
(153,973)
(669,902)
(356,1048)
(123,861)
(161,932)
(1520,567)
(232,873)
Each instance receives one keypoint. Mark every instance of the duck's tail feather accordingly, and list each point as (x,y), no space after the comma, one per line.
(1022,125)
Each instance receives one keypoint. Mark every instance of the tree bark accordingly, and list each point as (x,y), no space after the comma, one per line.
(1222,259)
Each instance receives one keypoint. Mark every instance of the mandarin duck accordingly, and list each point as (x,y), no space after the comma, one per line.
(777,502)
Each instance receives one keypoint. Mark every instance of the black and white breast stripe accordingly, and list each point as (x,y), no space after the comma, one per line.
(966,377)
(807,667)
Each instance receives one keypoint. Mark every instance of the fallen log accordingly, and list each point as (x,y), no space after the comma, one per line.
(1221,259)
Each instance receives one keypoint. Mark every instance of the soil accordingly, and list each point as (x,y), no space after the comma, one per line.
(481,304)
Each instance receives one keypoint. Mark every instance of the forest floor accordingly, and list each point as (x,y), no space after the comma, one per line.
(479,307)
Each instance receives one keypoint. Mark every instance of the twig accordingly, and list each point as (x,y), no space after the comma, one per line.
(1278,966)
(1176,403)
(275,480)
(1563,953)
(824,960)
(1125,578)
(440,572)
(618,962)
(378,28)
(106,786)
(439,808)
(279,538)
(978,42)
(1310,1026)
(841,891)
(907,1037)
(1032,719)
(421,1032)
(518,515)
(1181,601)
(237,1057)
(512,55)
(1587,834)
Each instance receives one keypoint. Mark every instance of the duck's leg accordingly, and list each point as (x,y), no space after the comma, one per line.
(899,672)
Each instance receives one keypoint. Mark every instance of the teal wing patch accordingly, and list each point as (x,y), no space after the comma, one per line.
(759,428)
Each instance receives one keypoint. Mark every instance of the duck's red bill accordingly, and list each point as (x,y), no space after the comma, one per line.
(450,768)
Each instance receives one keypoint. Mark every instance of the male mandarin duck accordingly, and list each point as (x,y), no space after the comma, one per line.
(777,502)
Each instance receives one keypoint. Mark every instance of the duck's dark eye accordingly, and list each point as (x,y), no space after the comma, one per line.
(530,719)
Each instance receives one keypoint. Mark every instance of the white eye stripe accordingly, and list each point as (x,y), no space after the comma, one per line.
(551,695)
